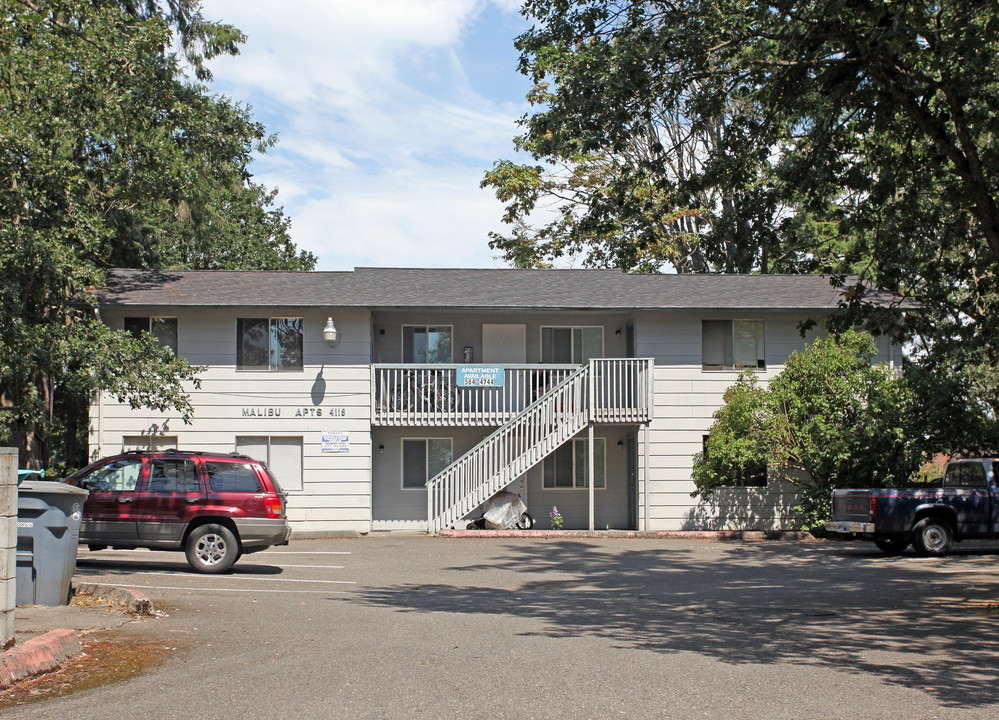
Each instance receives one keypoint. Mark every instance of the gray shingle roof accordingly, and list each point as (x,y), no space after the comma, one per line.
(492,289)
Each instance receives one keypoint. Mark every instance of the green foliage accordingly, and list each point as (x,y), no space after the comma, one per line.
(111,157)
(829,419)
(855,139)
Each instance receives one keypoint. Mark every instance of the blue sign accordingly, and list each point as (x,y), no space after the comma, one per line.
(480,376)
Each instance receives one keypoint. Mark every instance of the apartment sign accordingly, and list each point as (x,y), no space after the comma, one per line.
(336,442)
(480,376)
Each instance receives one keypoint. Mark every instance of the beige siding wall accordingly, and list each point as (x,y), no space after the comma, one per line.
(331,394)
(685,399)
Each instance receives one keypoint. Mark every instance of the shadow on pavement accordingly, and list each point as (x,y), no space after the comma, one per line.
(931,624)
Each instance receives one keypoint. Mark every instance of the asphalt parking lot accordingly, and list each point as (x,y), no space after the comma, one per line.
(410,626)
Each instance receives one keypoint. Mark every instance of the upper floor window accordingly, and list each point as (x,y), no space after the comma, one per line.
(269,344)
(571,345)
(164,329)
(427,344)
(733,345)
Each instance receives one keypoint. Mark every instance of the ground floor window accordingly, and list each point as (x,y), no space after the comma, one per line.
(283,456)
(569,465)
(422,458)
(754,475)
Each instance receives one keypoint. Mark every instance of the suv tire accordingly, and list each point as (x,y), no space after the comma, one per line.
(211,548)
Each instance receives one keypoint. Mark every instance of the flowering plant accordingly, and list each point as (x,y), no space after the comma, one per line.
(557,518)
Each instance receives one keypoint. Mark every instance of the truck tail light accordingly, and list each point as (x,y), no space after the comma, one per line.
(273,507)
(874,507)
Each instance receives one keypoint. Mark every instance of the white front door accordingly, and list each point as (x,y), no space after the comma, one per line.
(504,344)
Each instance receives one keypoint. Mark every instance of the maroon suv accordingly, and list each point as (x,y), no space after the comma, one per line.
(215,507)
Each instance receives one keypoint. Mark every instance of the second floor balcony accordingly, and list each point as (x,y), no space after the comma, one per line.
(619,390)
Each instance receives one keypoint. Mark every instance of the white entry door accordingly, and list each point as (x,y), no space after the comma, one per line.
(504,344)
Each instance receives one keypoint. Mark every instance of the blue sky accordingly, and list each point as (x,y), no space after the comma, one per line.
(388,112)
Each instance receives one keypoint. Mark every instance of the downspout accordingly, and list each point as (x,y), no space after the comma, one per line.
(100,405)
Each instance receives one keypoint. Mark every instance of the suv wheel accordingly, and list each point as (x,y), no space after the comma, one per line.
(211,548)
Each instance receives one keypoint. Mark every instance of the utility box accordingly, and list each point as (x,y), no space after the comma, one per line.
(48,534)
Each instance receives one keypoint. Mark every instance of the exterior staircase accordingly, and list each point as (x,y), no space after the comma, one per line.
(603,390)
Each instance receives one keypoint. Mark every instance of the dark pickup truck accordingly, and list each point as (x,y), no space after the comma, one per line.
(963,505)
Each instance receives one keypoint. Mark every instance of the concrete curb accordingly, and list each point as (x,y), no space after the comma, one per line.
(38,655)
(713,535)
(135,602)
(48,651)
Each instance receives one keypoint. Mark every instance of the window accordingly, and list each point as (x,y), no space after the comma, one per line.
(116,476)
(569,465)
(269,344)
(174,476)
(571,345)
(754,475)
(422,458)
(426,344)
(234,477)
(733,344)
(283,456)
(968,475)
(164,329)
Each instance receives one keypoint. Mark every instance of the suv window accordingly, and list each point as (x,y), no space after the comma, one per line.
(170,475)
(117,476)
(232,477)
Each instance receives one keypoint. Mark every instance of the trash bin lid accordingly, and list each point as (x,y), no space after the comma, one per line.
(50,486)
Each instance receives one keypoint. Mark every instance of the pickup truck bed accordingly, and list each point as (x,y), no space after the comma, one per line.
(965,504)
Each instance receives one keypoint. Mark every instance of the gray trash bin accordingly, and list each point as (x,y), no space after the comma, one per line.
(48,533)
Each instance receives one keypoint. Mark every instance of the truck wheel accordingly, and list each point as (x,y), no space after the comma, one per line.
(932,536)
(211,548)
(891,544)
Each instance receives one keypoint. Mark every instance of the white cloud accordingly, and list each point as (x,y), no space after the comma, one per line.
(383,138)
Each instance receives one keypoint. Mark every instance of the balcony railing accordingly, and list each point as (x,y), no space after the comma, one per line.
(411,394)
(430,394)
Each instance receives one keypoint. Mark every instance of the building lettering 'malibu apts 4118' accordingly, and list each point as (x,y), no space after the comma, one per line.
(389,399)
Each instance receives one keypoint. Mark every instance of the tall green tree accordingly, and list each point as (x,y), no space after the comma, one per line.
(852,138)
(112,156)
(831,418)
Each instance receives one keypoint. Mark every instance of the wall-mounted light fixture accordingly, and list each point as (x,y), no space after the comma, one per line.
(329,332)
(381,449)
(618,332)
(620,444)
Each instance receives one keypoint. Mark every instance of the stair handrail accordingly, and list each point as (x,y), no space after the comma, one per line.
(506,469)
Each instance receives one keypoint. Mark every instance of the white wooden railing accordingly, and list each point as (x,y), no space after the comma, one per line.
(407,395)
(601,391)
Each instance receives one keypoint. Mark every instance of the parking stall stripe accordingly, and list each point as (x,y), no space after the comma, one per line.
(241,590)
(233,577)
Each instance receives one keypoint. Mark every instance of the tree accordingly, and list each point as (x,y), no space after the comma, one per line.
(831,418)
(855,139)
(111,157)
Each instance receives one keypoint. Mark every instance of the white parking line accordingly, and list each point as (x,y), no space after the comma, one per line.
(303,552)
(234,577)
(242,590)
